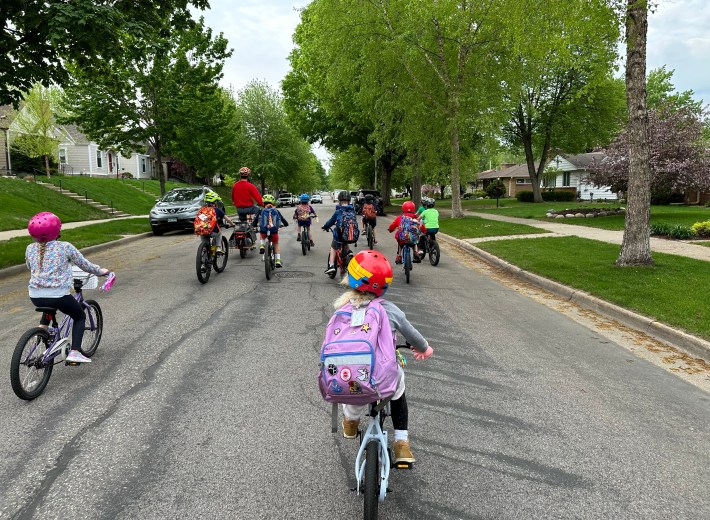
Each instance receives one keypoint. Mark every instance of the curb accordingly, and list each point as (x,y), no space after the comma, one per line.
(691,344)
(10,271)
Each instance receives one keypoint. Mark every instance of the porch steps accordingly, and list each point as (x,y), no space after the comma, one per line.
(81,198)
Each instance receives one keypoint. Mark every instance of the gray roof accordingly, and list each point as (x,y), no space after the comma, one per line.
(582,160)
(519,170)
(75,134)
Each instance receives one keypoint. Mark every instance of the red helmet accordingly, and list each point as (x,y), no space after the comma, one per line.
(244,172)
(408,207)
(369,271)
(44,226)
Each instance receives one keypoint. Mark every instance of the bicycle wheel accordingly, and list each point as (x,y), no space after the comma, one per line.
(202,261)
(346,263)
(92,334)
(372,479)
(370,238)
(337,261)
(304,240)
(434,252)
(406,260)
(220,259)
(27,377)
(267,259)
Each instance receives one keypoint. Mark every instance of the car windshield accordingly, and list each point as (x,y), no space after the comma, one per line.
(182,196)
(284,195)
(364,193)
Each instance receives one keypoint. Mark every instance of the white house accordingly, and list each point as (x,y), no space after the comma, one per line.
(573,173)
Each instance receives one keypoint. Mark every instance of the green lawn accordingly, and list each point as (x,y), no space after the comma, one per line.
(476,227)
(21,200)
(674,291)
(112,192)
(12,252)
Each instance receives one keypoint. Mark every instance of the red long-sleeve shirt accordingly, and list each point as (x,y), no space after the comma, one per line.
(395,223)
(244,194)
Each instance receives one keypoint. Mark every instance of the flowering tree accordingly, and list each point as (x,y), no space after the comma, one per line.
(678,159)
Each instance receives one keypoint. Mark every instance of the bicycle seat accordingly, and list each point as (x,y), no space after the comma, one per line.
(50,310)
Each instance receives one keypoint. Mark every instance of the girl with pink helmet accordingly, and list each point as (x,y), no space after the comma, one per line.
(50,263)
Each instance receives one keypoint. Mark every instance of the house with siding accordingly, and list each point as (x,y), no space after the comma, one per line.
(573,175)
(515,178)
(5,121)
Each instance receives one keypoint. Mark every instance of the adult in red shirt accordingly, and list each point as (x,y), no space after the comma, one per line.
(245,195)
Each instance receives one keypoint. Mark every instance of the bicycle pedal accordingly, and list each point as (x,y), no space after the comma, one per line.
(72,363)
(403,465)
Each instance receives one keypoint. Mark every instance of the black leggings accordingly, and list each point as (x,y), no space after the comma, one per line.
(72,308)
(400,413)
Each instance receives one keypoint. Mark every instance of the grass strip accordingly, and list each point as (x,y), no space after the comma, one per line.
(673,291)
(477,227)
(12,252)
(112,192)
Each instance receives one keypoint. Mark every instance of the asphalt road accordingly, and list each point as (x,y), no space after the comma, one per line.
(202,402)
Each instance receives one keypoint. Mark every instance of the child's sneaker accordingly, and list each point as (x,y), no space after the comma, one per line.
(298,238)
(350,427)
(278,263)
(402,452)
(77,357)
(261,250)
(398,259)
(417,259)
(312,244)
(331,269)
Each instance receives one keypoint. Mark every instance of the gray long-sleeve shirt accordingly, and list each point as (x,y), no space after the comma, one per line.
(401,324)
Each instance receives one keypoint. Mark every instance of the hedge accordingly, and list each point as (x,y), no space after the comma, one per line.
(547,196)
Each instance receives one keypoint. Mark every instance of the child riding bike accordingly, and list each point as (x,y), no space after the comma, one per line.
(50,263)
(344,228)
(270,221)
(407,227)
(246,197)
(429,220)
(304,212)
(369,276)
(220,217)
(369,215)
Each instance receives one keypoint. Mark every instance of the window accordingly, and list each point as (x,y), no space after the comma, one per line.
(525,180)
(566,178)
(98,158)
(62,156)
(142,164)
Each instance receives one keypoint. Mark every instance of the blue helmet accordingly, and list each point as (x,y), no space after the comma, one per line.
(305,198)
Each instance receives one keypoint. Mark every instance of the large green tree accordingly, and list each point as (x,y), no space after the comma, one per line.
(39,37)
(141,95)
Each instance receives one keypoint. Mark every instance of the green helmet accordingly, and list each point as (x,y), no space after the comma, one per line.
(212,197)
(269,199)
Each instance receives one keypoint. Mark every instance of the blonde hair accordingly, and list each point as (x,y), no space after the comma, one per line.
(358,298)
(42,248)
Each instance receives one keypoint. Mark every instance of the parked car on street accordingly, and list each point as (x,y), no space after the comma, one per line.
(285,199)
(360,201)
(178,208)
(316,198)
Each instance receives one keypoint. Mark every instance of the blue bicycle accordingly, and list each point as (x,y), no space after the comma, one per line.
(407,260)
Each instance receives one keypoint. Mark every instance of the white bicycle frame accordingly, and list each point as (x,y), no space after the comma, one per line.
(374,432)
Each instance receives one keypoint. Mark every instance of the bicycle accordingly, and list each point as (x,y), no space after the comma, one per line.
(39,349)
(429,245)
(370,233)
(374,457)
(407,260)
(269,256)
(208,256)
(342,259)
(244,237)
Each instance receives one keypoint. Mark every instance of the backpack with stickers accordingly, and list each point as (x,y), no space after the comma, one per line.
(303,212)
(347,225)
(408,230)
(369,211)
(358,360)
(270,220)
(205,221)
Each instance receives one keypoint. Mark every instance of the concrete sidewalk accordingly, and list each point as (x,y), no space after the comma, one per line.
(13,233)
(660,245)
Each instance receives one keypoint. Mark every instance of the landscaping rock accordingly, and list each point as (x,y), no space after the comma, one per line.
(560,216)
(569,215)
(590,215)
(579,215)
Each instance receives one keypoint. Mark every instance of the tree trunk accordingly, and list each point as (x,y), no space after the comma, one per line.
(46,166)
(456,210)
(532,173)
(636,245)
(162,175)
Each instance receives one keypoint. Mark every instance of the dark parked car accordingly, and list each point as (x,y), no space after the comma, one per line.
(178,208)
(360,201)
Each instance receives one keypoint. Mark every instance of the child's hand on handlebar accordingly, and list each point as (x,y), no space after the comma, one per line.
(420,356)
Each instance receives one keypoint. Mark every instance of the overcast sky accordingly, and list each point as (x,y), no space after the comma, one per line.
(260,33)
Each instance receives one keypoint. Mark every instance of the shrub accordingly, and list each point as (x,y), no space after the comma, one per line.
(661,229)
(495,189)
(681,232)
(547,196)
(702,229)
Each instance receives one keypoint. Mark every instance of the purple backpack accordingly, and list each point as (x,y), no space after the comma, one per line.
(358,362)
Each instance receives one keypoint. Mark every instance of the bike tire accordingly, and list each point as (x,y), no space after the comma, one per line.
(92,337)
(434,253)
(346,263)
(370,238)
(220,261)
(332,275)
(17,380)
(242,252)
(372,480)
(202,262)
(267,259)
(406,260)
(304,241)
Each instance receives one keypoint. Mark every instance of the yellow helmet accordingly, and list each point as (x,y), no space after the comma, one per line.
(212,197)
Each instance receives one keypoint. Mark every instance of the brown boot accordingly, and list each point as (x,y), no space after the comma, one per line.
(403,453)
(350,427)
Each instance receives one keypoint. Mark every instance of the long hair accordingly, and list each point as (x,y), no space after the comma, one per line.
(358,298)
(42,250)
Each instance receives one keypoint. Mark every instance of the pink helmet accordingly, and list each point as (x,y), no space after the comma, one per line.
(44,226)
